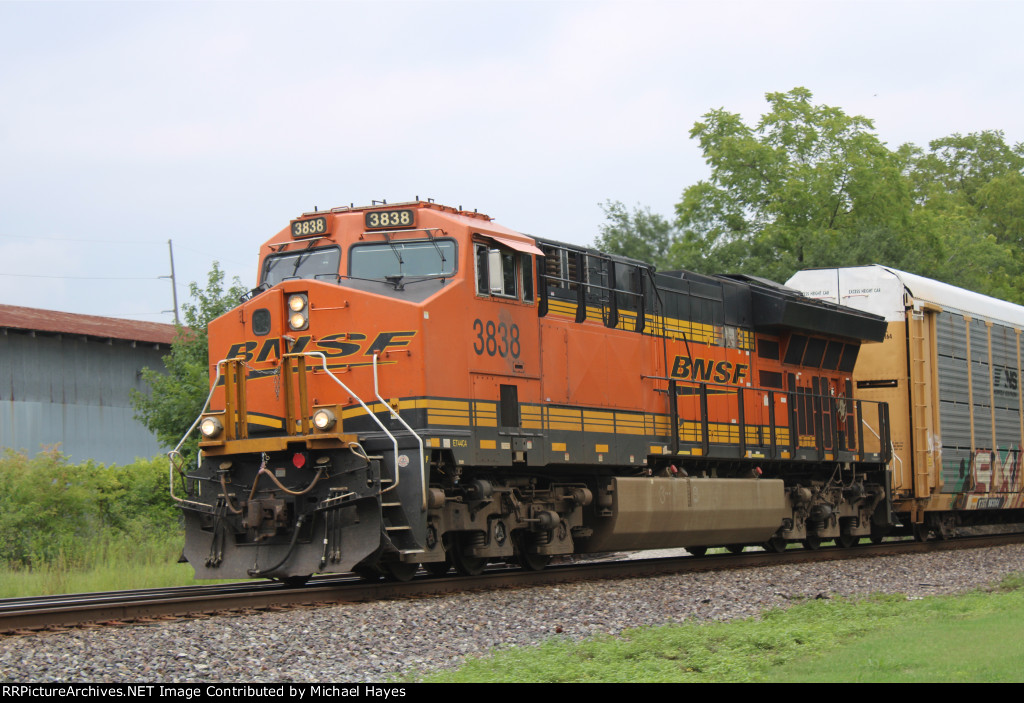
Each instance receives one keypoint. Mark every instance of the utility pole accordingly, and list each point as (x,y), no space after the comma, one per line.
(174,286)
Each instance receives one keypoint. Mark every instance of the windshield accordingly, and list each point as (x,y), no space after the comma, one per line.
(430,258)
(308,263)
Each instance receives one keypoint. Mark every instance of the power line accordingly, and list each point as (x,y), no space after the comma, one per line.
(84,241)
(125,315)
(86,278)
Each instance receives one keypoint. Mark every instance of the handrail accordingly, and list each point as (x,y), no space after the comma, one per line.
(892,447)
(176,451)
(394,440)
(423,465)
(700,394)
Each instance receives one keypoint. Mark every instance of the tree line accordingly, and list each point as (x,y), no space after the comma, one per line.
(810,186)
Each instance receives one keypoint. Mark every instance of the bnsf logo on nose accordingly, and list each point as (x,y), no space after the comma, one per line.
(332,346)
(707,370)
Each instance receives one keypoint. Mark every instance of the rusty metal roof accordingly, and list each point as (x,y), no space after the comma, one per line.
(13,317)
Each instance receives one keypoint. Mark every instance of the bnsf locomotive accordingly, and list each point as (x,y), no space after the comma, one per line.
(415,384)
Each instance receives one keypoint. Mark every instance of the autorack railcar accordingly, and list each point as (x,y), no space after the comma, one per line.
(949,369)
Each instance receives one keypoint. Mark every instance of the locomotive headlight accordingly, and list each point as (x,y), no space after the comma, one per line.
(323,419)
(299,318)
(210,427)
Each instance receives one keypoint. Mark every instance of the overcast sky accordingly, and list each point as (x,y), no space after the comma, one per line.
(212,124)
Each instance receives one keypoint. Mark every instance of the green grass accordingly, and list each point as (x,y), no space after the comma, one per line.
(111,564)
(976,637)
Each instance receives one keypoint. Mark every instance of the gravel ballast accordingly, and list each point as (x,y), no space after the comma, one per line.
(373,641)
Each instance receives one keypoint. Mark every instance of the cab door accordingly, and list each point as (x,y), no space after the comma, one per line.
(505,371)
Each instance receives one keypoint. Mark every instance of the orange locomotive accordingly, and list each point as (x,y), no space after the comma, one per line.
(414,384)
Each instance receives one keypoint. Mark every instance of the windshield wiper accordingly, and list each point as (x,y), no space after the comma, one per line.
(305,252)
(430,236)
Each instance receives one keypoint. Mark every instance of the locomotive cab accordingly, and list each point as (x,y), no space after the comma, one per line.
(315,420)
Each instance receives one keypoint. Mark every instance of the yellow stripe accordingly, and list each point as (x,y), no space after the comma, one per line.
(436,419)
(485,414)
(449,405)
(275,422)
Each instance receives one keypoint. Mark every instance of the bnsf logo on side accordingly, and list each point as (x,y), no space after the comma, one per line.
(333,346)
(707,370)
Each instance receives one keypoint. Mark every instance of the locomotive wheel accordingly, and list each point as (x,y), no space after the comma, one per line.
(295,581)
(465,564)
(368,572)
(846,540)
(528,559)
(776,544)
(812,542)
(400,570)
(437,568)
(533,561)
(736,548)
(697,551)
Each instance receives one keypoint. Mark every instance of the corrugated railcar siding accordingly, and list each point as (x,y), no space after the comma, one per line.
(954,410)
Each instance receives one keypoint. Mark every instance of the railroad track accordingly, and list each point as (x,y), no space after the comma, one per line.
(55,613)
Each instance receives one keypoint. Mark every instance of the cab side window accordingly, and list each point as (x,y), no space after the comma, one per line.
(502,266)
(482,275)
(503,274)
(526,266)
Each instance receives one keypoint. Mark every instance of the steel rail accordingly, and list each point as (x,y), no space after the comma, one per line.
(25,615)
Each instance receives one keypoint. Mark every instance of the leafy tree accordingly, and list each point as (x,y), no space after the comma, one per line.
(965,167)
(810,186)
(176,397)
(807,186)
(641,235)
(970,190)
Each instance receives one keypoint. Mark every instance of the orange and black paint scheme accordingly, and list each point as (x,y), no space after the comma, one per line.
(415,385)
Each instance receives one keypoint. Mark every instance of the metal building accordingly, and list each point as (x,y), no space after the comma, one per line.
(65,379)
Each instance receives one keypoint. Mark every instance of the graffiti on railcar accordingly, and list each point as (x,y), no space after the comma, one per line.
(990,480)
